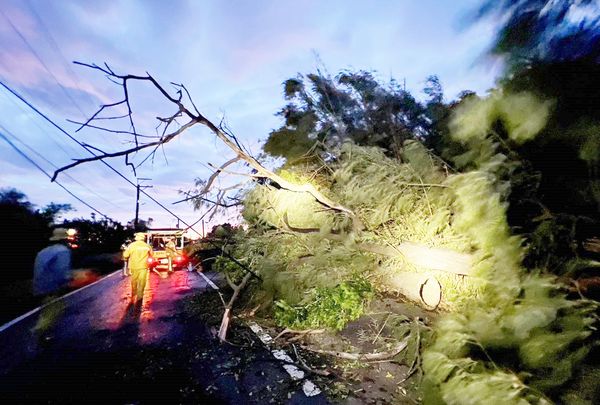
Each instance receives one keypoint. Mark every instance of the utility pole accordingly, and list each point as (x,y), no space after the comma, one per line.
(137,200)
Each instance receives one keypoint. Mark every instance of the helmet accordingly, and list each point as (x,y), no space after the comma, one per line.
(59,234)
(140,236)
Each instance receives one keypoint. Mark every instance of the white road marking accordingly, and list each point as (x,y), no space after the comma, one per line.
(33,311)
(309,388)
(209,281)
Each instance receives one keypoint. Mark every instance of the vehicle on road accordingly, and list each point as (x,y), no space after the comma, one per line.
(158,239)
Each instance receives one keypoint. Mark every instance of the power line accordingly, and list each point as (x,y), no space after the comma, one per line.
(61,145)
(24,155)
(93,154)
(53,165)
(57,144)
(37,56)
(50,38)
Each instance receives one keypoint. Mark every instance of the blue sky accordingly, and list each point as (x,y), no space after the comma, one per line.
(231,55)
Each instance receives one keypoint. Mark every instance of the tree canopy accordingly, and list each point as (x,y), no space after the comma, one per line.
(322,112)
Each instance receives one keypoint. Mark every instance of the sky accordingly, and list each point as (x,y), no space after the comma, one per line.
(232,56)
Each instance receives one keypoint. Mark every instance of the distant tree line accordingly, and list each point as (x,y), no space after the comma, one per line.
(26,230)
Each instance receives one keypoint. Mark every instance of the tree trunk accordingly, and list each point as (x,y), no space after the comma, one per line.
(439,259)
(224,324)
(227,314)
(418,287)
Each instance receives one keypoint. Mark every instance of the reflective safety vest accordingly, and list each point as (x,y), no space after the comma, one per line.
(137,254)
(170,249)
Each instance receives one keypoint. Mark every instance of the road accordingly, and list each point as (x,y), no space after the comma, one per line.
(101,350)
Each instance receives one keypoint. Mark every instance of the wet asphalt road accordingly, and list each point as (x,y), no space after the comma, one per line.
(102,350)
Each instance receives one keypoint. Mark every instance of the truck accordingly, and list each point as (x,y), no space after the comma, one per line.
(158,238)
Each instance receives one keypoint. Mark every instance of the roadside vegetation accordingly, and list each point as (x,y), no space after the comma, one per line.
(460,208)
(437,251)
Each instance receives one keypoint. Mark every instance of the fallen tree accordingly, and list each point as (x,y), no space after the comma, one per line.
(411,251)
(365,222)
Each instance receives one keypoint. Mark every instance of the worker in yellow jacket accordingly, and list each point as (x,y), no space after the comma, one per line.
(171,252)
(136,257)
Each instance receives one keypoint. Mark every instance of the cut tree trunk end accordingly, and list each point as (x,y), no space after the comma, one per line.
(421,288)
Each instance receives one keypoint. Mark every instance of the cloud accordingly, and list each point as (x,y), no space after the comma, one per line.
(232,56)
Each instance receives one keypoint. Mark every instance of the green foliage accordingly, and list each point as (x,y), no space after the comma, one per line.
(397,201)
(293,143)
(330,307)
(291,265)
(552,51)
(520,322)
(514,335)
(324,112)
(224,232)
(508,323)
(224,264)
(523,115)
(269,207)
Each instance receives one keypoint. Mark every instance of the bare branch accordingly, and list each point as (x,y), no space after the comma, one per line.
(213,176)
(128,163)
(115,117)
(199,197)
(305,366)
(93,117)
(188,95)
(230,282)
(87,145)
(219,170)
(167,121)
(150,155)
(237,289)
(220,132)
(125,152)
(363,356)
(114,131)
(298,332)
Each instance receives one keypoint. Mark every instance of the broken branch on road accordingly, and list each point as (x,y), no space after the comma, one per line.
(362,356)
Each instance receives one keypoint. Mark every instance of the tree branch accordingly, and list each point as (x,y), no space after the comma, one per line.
(363,356)
(197,118)
(125,152)
(417,254)
(227,314)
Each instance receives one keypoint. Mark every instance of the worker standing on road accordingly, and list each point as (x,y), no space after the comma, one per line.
(52,276)
(126,271)
(136,256)
(52,267)
(171,252)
